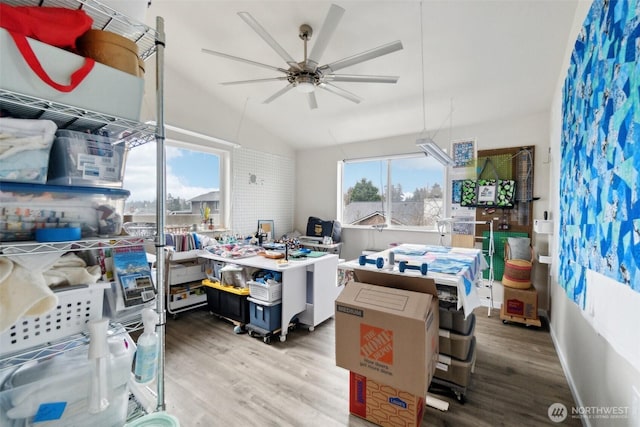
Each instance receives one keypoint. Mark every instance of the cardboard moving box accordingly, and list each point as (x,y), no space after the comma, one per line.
(521,302)
(383,404)
(389,335)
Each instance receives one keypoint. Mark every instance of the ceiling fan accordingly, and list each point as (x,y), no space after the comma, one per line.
(307,75)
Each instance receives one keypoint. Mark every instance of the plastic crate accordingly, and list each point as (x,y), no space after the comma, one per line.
(76,306)
(270,291)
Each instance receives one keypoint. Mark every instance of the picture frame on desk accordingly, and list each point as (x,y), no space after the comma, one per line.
(266,226)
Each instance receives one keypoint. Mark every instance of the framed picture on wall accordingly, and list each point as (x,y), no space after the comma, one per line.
(265,226)
(464,153)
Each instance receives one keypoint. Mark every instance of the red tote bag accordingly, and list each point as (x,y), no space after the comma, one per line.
(52,25)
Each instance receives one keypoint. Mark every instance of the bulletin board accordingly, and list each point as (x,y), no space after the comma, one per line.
(515,163)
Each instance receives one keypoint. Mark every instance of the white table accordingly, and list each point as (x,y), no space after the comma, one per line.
(309,286)
(464,279)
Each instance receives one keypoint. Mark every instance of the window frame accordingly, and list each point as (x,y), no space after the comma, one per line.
(388,194)
(224,156)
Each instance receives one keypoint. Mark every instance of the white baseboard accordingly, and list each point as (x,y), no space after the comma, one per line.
(563,362)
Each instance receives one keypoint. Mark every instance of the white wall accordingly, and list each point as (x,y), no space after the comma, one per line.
(206,115)
(317,174)
(598,375)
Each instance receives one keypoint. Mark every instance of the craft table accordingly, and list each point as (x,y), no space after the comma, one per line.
(457,267)
(309,286)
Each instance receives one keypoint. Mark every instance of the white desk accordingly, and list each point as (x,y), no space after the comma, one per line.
(309,286)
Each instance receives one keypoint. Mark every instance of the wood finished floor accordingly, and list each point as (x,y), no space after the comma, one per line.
(216,378)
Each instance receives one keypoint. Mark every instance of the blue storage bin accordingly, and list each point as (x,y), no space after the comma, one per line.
(265,315)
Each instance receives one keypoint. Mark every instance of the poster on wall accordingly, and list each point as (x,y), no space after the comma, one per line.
(600,161)
(464,153)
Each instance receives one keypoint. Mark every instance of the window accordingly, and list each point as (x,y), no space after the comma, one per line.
(192,182)
(398,192)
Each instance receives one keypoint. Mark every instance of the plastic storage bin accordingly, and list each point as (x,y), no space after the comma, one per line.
(55,391)
(265,315)
(104,90)
(457,371)
(24,149)
(86,160)
(457,345)
(454,320)
(269,291)
(25,207)
(227,301)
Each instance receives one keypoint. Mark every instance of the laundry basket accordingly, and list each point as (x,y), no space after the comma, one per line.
(76,306)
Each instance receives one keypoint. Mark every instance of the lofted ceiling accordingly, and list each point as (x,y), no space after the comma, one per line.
(484,61)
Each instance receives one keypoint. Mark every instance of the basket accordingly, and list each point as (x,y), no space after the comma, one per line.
(75,308)
(517,273)
(270,291)
(110,49)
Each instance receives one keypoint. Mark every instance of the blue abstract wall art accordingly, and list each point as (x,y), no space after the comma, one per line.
(600,151)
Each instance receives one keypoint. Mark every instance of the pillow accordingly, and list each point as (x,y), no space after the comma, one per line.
(519,248)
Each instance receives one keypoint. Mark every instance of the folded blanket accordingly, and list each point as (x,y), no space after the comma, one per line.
(25,288)
(71,270)
(22,292)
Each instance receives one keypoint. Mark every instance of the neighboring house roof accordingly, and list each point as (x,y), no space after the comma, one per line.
(402,213)
(211,196)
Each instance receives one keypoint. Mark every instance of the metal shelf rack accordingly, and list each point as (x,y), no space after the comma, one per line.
(150,43)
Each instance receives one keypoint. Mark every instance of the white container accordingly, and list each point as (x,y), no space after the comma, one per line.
(25,207)
(84,159)
(544,259)
(542,226)
(54,391)
(270,291)
(76,307)
(104,90)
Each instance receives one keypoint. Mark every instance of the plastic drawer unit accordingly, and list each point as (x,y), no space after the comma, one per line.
(228,301)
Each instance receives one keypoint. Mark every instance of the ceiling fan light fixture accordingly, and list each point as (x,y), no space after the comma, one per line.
(305,84)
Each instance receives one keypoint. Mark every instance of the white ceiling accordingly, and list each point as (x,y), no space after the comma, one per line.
(483,60)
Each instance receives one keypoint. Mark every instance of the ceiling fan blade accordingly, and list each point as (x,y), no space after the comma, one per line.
(359,78)
(246,17)
(247,61)
(364,56)
(313,104)
(281,92)
(341,92)
(324,36)
(239,82)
